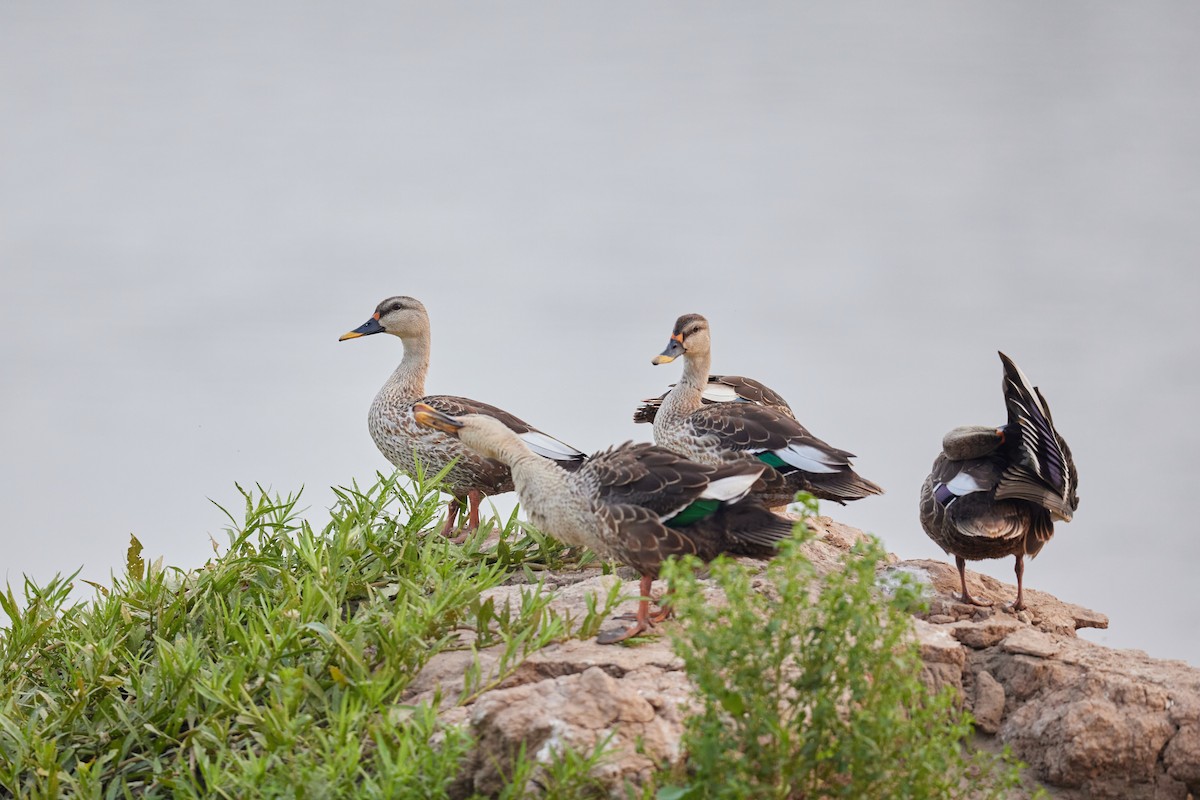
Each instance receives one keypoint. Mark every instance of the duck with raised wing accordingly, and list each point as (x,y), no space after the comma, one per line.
(407,444)
(722,433)
(635,503)
(721,389)
(996,492)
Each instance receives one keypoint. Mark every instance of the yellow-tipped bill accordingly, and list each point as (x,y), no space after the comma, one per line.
(674,350)
(366,329)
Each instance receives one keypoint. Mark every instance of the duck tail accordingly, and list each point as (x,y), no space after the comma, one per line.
(750,529)
(647,411)
(841,487)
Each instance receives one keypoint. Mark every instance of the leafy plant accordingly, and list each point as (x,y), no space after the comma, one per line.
(810,688)
(279,668)
(282,667)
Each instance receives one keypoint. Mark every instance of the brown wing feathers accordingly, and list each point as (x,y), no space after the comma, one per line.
(742,528)
(647,475)
(748,390)
(639,485)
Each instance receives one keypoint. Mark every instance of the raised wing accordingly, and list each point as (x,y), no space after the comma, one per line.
(1041,469)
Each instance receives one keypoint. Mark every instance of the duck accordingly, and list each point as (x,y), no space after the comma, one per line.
(637,504)
(721,389)
(720,433)
(997,492)
(410,446)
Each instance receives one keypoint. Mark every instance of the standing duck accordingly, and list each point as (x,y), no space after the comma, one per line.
(636,503)
(405,443)
(721,389)
(721,433)
(996,492)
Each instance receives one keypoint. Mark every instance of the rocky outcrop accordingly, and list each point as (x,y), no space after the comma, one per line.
(1092,722)
(574,694)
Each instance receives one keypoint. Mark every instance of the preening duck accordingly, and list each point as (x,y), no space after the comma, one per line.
(405,443)
(996,492)
(635,503)
(721,389)
(722,433)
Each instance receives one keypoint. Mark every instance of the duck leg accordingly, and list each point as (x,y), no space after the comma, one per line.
(451,516)
(1020,570)
(665,611)
(962,577)
(474,498)
(643,618)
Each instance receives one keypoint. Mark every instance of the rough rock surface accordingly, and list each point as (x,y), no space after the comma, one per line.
(1092,722)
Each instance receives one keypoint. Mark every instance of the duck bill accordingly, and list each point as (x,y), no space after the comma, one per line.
(674,350)
(366,329)
(429,417)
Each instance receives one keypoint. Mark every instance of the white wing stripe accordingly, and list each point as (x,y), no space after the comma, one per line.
(549,447)
(809,458)
(720,393)
(963,483)
(731,488)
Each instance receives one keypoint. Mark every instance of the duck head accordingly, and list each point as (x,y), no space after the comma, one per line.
(400,316)
(690,336)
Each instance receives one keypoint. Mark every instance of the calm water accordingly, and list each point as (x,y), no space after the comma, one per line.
(866,200)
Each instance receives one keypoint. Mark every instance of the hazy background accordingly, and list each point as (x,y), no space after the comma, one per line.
(866,200)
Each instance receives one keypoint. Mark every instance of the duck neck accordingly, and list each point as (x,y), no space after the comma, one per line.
(515,455)
(408,381)
(686,396)
(537,480)
(552,499)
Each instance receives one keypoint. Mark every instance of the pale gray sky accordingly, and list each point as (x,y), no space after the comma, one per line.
(866,199)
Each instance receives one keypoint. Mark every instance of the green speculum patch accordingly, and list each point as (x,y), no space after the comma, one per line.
(694,513)
(771,458)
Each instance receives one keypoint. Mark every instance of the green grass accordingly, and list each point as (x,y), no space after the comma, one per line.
(280,669)
(277,669)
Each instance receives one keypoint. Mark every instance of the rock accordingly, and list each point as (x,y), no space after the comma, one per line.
(445,673)
(643,725)
(1029,642)
(1182,756)
(575,656)
(1084,730)
(942,655)
(1082,722)
(985,633)
(842,537)
(1045,611)
(988,707)
(1089,720)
